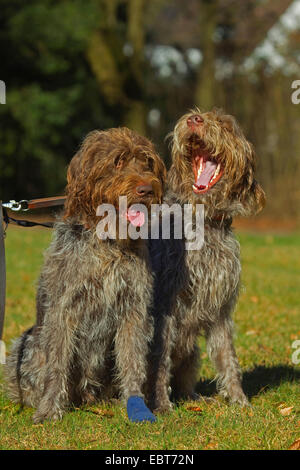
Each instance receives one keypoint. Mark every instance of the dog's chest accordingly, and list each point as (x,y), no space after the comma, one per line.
(127,282)
(213,271)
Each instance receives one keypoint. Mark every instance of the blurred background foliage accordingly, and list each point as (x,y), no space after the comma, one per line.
(71,66)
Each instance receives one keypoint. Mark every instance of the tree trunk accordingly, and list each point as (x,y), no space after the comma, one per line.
(206,83)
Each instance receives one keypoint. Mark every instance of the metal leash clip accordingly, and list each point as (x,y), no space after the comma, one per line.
(16,206)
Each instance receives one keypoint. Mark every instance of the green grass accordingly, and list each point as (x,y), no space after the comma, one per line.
(267,323)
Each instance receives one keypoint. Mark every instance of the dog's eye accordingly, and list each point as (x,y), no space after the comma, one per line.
(226,125)
(119,162)
(150,164)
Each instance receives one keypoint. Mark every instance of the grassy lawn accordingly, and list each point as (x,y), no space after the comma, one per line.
(267,323)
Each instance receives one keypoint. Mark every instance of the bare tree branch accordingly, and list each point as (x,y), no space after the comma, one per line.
(247,23)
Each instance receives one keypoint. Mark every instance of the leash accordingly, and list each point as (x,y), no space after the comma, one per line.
(25,205)
(5,219)
(32,204)
(2,286)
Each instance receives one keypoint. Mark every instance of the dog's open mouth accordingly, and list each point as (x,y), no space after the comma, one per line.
(207,171)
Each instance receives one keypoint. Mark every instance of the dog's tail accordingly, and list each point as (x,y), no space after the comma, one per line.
(13,366)
(21,350)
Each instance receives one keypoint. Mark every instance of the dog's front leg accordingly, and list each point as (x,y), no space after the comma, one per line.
(221,351)
(131,346)
(158,384)
(57,339)
(131,349)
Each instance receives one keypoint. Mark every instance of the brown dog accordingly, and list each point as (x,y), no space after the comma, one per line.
(212,164)
(93,327)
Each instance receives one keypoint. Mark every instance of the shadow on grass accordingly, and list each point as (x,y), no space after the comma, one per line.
(262,378)
(257,380)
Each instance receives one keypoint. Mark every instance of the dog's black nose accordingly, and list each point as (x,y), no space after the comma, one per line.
(194,120)
(144,189)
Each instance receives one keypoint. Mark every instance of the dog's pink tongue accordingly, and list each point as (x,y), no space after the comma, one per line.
(207,174)
(136,218)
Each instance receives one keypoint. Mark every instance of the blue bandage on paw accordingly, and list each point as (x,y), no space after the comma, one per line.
(137,410)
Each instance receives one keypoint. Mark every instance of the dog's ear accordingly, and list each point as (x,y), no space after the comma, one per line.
(160,170)
(79,167)
(74,167)
(253,197)
(260,197)
(71,207)
(119,162)
(255,200)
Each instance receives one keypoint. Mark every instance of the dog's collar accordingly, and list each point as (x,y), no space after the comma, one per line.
(221,220)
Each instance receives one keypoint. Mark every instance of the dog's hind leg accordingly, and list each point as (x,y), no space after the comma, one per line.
(222,353)
(184,374)
(24,369)
(58,340)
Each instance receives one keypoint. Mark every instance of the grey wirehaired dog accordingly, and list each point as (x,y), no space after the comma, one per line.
(93,326)
(212,164)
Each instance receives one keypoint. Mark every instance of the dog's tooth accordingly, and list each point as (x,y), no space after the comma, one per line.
(200,168)
(217,170)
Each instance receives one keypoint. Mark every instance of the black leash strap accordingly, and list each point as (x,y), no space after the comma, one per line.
(2,285)
(24,223)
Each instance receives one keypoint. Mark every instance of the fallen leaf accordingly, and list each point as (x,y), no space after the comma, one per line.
(211,445)
(281,404)
(286,411)
(251,332)
(196,409)
(100,412)
(295,445)
(254,299)
(265,348)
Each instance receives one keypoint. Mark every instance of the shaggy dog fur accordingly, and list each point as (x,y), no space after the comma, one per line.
(93,327)
(196,291)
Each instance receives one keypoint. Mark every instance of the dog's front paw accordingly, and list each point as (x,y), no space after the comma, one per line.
(203,398)
(240,399)
(137,411)
(234,394)
(164,408)
(42,415)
